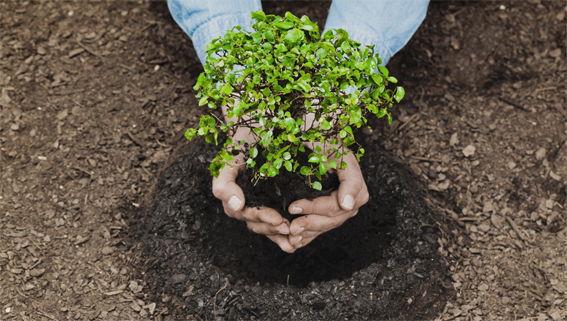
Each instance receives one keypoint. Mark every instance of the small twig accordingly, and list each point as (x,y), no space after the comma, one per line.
(94,53)
(215,301)
(515,227)
(134,139)
(161,144)
(126,67)
(46,315)
(20,293)
(407,122)
(425,159)
(83,170)
(472,218)
(511,103)
(544,89)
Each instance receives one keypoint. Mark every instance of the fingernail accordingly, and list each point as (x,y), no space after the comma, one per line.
(283,229)
(299,231)
(234,202)
(298,240)
(348,202)
(295,210)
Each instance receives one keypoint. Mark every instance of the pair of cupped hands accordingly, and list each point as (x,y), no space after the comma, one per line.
(319,215)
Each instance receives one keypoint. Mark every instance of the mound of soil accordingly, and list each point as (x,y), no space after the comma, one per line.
(383,263)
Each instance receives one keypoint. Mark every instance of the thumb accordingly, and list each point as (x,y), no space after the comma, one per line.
(351,182)
(226,189)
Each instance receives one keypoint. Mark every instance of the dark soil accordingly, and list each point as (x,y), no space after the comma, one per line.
(280,191)
(381,263)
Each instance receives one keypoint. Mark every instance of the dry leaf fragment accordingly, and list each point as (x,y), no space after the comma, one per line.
(469,150)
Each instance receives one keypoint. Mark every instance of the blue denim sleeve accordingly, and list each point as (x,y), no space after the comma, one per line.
(205,20)
(387,24)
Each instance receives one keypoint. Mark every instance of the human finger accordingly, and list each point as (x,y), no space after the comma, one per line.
(317,223)
(259,214)
(323,205)
(226,189)
(351,184)
(268,229)
(283,242)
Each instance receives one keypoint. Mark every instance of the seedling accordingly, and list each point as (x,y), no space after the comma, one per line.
(273,77)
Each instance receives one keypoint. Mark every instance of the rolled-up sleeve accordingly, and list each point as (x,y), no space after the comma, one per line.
(387,24)
(205,20)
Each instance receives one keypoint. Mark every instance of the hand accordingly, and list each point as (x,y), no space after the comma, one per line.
(260,220)
(328,212)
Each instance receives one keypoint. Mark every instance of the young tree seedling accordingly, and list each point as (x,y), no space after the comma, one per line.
(273,77)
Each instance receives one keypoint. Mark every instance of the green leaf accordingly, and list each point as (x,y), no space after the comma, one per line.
(288,166)
(348,141)
(304,170)
(216,167)
(272,171)
(284,25)
(253,152)
(203,100)
(278,163)
(345,46)
(317,174)
(392,79)
(289,16)
(322,168)
(400,92)
(314,159)
(286,155)
(190,133)
(325,125)
(322,53)
(200,81)
(269,35)
(289,122)
(317,186)
(377,79)
(384,71)
(333,164)
(259,15)
(227,89)
(304,85)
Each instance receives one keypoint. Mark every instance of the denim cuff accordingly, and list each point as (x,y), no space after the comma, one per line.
(215,27)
